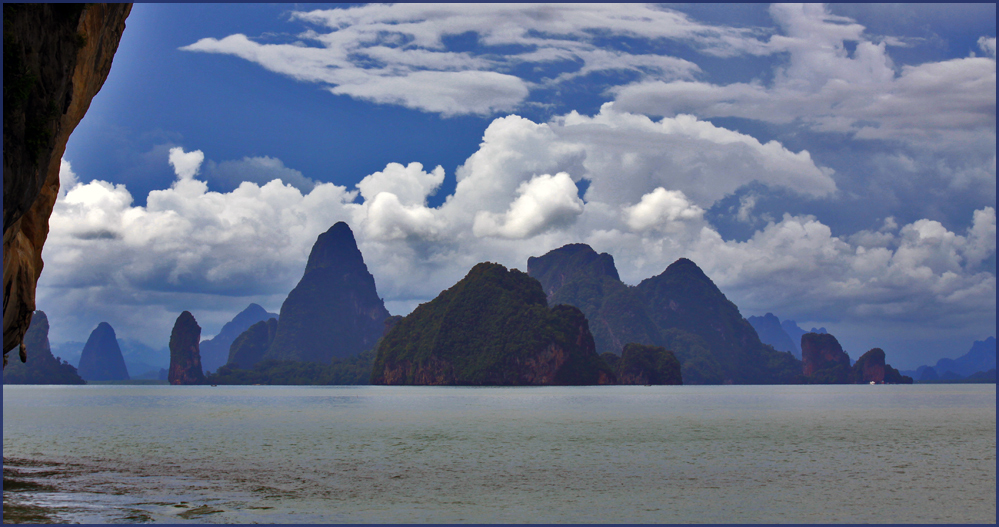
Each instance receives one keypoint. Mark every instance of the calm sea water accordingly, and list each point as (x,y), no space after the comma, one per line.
(674,454)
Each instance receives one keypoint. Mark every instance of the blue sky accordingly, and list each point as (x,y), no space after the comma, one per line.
(834,165)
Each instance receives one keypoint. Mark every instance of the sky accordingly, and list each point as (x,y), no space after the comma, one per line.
(834,165)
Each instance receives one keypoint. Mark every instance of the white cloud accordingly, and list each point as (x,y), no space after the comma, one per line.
(659,207)
(625,156)
(186,165)
(935,105)
(988,45)
(410,184)
(67,178)
(444,92)
(543,203)
(403,54)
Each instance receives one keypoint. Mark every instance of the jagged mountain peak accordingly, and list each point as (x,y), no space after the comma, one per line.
(335,248)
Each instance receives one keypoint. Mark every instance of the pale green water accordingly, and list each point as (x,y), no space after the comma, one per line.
(802,454)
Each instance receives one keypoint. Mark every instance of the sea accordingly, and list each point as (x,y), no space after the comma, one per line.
(601,454)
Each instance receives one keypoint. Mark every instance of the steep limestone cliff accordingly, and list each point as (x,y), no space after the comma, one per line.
(334,312)
(823,359)
(56,58)
(185,356)
(871,367)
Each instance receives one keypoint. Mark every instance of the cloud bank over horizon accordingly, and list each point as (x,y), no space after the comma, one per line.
(516,197)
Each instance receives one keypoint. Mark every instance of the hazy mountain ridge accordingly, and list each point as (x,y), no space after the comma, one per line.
(681,309)
(215,351)
(977,362)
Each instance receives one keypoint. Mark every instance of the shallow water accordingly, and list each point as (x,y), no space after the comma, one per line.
(673,454)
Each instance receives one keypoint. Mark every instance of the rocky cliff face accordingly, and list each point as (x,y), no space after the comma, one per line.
(823,359)
(101,359)
(185,356)
(249,347)
(871,367)
(492,328)
(215,351)
(334,311)
(42,367)
(56,58)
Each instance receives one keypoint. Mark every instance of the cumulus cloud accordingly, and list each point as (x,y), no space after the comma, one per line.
(659,208)
(186,164)
(543,203)
(408,54)
(625,156)
(830,88)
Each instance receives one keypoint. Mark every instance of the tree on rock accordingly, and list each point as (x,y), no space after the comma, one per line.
(185,355)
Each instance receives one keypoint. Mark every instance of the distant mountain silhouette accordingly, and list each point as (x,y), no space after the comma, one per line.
(979,359)
(681,310)
(101,359)
(770,331)
(493,327)
(334,311)
(42,367)
(215,351)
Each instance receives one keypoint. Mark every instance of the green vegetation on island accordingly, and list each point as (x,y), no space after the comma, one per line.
(349,371)
(494,327)
(641,364)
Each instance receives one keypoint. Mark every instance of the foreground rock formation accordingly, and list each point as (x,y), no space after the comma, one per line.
(215,351)
(681,309)
(493,327)
(101,359)
(56,58)
(42,367)
(185,357)
(334,311)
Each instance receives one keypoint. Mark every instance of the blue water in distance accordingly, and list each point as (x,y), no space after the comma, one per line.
(637,454)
